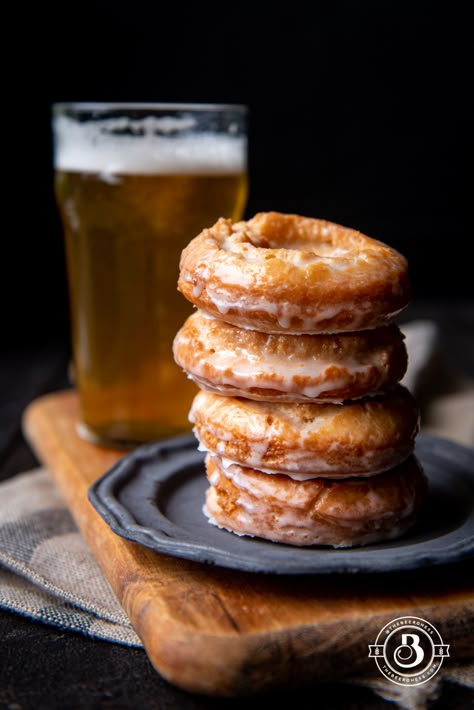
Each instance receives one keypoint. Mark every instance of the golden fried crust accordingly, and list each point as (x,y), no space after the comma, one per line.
(229,360)
(359,438)
(317,512)
(281,273)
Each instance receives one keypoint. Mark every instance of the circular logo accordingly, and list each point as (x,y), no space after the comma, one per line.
(409,651)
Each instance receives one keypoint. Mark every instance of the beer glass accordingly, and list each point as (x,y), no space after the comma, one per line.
(134,184)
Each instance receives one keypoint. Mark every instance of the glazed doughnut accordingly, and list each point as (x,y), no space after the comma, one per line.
(359,438)
(229,360)
(317,512)
(281,273)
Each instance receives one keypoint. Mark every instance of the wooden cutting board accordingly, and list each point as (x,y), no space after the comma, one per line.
(220,632)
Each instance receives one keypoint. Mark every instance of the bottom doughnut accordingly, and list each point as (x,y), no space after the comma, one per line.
(355,511)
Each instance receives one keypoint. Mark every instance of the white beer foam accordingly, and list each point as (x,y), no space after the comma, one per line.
(90,147)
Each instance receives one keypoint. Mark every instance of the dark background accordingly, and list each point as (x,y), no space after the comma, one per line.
(360,114)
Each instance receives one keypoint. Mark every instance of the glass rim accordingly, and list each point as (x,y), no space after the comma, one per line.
(145,105)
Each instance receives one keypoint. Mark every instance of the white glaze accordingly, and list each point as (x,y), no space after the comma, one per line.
(285,312)
(286,439)
(289,524)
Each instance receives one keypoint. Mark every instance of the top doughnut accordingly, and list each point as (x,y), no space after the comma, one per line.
(283,273)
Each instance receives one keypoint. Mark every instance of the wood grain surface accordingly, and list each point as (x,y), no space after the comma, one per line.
(216,631)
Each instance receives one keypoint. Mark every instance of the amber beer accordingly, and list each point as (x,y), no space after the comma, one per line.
(129,204)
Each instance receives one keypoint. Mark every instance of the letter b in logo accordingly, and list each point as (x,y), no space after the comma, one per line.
(409,654)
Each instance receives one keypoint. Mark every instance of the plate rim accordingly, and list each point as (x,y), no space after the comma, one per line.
(336,560)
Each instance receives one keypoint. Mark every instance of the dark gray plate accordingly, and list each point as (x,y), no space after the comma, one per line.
(154,496)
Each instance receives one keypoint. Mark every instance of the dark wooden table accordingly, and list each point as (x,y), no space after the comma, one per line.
(43,668)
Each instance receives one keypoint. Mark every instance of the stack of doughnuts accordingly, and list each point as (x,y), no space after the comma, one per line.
(308,433)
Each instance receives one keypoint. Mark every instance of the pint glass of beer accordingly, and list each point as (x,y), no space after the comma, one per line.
(134,184)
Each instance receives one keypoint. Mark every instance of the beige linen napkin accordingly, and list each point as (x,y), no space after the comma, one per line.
(47,571)
(446,398)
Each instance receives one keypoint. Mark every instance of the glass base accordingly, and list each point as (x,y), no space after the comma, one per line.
(119,440)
